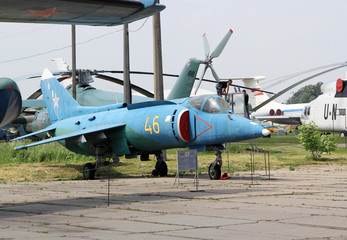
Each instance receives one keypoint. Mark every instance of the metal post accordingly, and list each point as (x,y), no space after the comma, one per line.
(73,45)
(158,63)
(252,156)
(108,185)
(268,164)
(158,66)
(265,160)
(126,66)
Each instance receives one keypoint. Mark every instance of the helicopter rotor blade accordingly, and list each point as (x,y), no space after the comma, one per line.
(296,84)
(206,45)
(200,79)
(214,73)
(221,45)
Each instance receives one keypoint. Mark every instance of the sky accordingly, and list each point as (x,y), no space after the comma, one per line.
(271,38)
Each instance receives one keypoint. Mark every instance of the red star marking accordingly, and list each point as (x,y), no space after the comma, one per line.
(45,13)
(210,127)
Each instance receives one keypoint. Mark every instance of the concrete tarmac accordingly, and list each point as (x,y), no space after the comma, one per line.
(308,203)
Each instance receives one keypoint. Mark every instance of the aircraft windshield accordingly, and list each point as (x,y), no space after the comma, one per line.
(223,104)
(196,102)
(209,104)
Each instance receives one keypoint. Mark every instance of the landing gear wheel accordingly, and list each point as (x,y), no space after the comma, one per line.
(88,171)
(161,169)
(214,172)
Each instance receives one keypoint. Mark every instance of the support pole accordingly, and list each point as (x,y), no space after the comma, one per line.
(158,65)
(73,44)
(126,66)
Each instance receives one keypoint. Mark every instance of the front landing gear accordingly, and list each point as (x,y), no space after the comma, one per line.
(214,170)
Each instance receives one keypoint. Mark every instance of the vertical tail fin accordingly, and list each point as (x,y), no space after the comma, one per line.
(59,103)
(255,97)
(185,81)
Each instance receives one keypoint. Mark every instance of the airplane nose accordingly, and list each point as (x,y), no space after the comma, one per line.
(265,132)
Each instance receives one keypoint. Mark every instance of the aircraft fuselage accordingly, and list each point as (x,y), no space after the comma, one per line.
(150,129)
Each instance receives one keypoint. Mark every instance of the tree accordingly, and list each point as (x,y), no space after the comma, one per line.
(312,140)
(306,94)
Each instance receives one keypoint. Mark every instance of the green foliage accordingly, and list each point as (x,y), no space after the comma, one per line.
(328,143)
(312,140)
(46,153)
(53,162)
(306,94)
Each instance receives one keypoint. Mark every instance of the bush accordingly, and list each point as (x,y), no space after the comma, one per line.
(328,143)
(312,140)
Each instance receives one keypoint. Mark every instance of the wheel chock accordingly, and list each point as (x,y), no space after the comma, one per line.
(224,176)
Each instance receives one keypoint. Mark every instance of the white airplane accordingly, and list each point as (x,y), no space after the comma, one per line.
(328,111)
(272,111)
(266,108)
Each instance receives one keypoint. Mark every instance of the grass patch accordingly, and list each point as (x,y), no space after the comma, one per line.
(53,162)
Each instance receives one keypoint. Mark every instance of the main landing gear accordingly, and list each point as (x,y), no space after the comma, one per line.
(160,166)
(214,170)
(89,169)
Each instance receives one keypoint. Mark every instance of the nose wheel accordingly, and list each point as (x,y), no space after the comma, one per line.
(214,170)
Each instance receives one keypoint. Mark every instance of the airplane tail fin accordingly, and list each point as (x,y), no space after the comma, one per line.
(185,81)
(255,97)
(59,103)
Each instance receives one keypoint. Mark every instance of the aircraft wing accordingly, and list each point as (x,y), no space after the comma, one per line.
(78,12)
(280,119)
(66,136)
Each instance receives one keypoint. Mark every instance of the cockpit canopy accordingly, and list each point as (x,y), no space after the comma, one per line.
(210,104)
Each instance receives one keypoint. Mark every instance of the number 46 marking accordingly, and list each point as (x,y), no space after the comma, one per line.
(156,129)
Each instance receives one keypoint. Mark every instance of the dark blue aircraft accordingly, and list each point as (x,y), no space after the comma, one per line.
(78,12)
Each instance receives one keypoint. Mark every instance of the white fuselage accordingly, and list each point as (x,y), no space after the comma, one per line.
(327,111)
(280,113)
(273,111)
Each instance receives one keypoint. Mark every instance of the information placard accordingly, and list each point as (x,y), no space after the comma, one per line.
(187,160)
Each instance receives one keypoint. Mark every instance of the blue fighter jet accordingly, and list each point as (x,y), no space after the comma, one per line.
(198,122)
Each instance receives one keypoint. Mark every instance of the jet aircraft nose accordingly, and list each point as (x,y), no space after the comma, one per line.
(257,130)
(265,132)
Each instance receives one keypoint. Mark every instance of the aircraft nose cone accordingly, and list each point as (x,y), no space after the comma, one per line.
(265,132)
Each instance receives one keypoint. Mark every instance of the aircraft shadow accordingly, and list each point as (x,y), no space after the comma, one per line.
(102,172)
(119,201)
